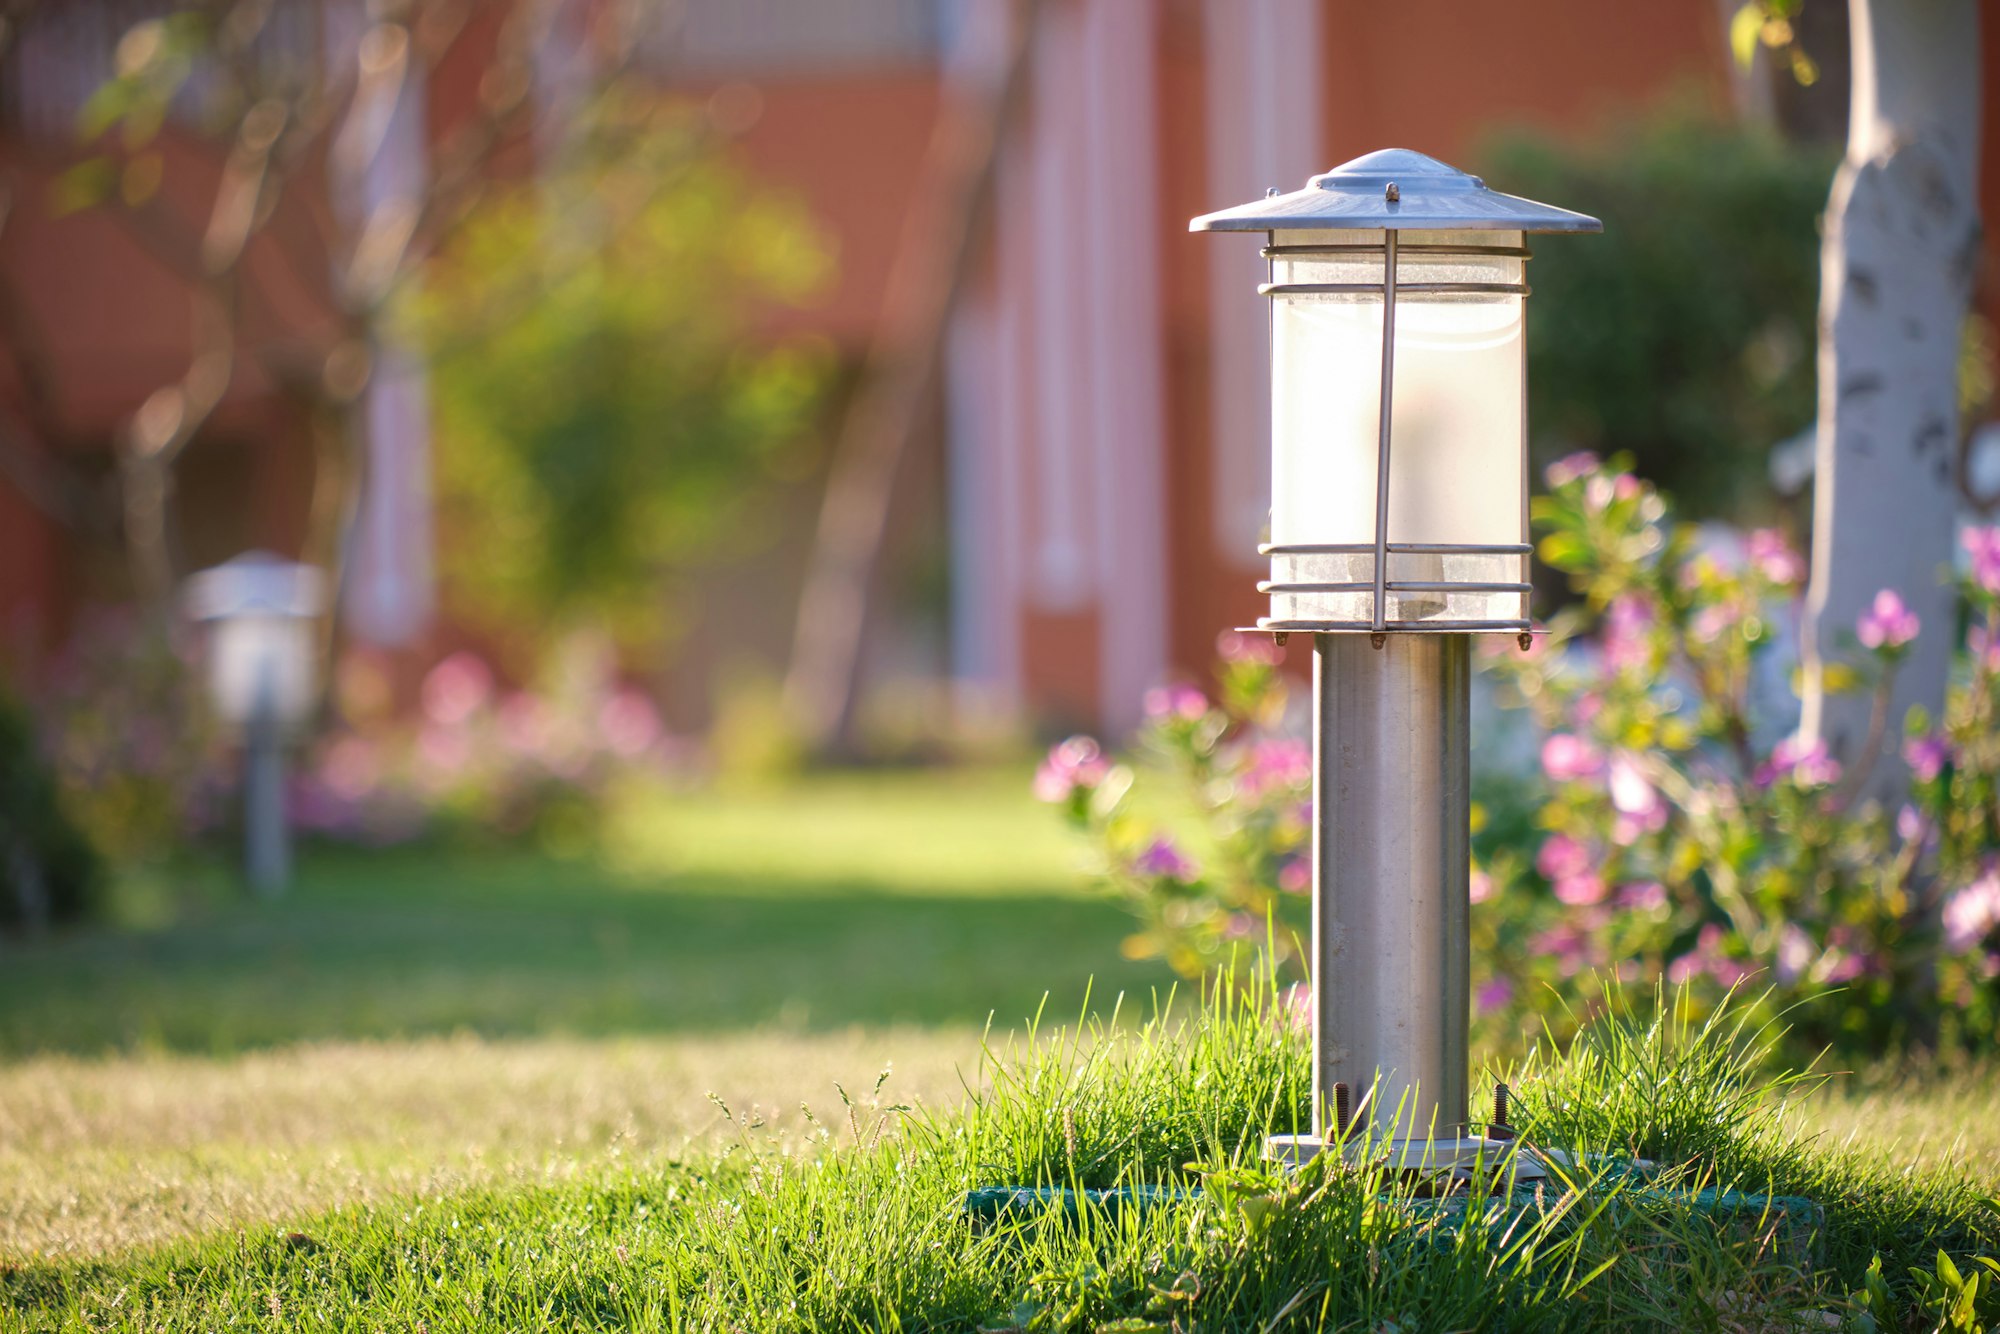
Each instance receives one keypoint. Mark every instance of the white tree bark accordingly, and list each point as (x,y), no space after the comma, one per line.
(1902,235)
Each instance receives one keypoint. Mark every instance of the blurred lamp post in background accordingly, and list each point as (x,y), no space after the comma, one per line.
(261,610)
(1399,528)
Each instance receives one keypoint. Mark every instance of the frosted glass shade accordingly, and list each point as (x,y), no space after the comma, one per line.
(1456,473)
(262,658)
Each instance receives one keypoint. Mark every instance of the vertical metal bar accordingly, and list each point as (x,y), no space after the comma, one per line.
(1382,445)
(1526,558)
(1391,880)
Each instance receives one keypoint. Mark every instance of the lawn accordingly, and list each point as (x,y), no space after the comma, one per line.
(930,899)
(420,1047)
(413,1020)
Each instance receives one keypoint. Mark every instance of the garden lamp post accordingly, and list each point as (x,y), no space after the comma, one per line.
(1399,529)
(261,676)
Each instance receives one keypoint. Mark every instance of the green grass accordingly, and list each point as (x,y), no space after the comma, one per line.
(853,1221)
(469,1091)
(935,898)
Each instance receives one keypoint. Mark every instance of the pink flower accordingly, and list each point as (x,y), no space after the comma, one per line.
(1296,875)
(1926,756)
(1807,765)
(525,725)
(1570,467)
(1562,857)
(351,768)
(1296,1009)
(1887,624)
(1481,886)
(629,722)
(1973,912)
(1641,810)
(1580,891)
(1235,646)
(1164,703)
(1073,765)
(1795,954)
(1707,957)
(1493,994)
(1774,557)
(1567,758)
(1983,649)
(1912,826)
(457,688)
(1983,544)
(1716,620)
(1567,946)
(443,751)
(1164,860)
(1277,764)
(1627,626)
(1631,792)
(1647,896)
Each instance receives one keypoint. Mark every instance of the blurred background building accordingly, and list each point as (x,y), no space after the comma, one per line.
(1079,513)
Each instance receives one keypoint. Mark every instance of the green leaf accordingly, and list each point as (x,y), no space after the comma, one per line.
(1564,551)
(1744,29)
(83,186)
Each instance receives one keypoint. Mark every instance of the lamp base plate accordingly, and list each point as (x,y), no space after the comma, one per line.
(1425,1156)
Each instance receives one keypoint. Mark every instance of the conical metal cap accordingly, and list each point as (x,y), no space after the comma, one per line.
(1395,189)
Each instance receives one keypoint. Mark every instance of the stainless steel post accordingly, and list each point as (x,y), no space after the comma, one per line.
(267,835)
(1391,880)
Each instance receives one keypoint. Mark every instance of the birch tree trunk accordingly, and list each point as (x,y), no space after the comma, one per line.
(1896,265)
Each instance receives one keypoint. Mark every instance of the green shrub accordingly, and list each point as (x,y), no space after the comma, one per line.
(48,870)
(1683,335)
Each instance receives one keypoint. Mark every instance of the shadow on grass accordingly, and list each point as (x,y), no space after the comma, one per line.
(412,942)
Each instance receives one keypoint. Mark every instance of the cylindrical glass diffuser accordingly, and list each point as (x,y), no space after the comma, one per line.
(1454,515)
(262,660)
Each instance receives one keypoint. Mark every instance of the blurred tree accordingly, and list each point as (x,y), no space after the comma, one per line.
(900,376)
(241,145)
(602,419)
(1900,248)
(1683,335)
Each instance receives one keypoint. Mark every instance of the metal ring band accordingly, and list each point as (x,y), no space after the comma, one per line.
(1421,289)
(1395,586)
(1439,627)
(1507,251)
(1395,549)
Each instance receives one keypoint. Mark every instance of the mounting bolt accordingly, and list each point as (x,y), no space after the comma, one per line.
(1498,1127)
(1281,638)
(1393,194)
(1527,641)
(1377,639)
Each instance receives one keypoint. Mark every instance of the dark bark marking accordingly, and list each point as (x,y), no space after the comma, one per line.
(1861,282)
(1859,383)
(1930,435)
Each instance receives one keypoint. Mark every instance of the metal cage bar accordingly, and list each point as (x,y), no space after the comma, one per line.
(1384,417)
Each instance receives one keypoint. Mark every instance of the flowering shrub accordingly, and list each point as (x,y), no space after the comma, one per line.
(1677,832)
(477,756)
(128,736)
(1205,896)
(1673,842)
